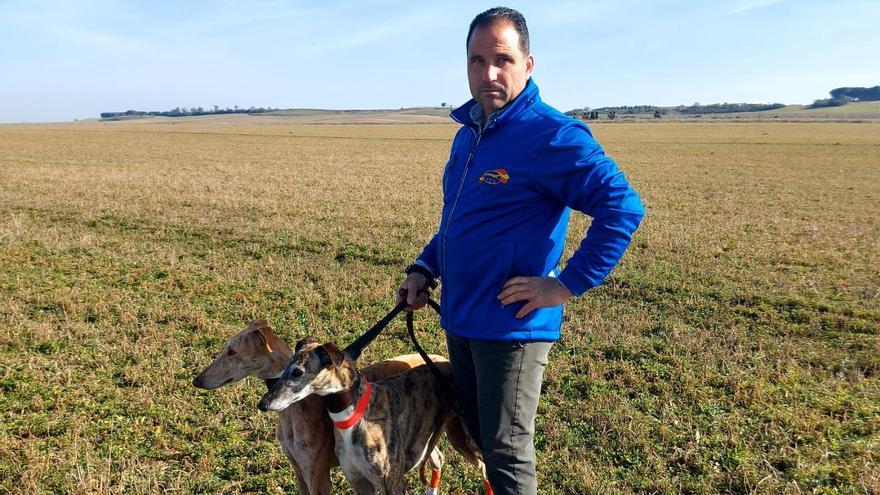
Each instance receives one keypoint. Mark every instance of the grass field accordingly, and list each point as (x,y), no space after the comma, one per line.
(735,349)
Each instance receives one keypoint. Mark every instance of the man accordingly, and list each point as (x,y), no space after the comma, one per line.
(516,168)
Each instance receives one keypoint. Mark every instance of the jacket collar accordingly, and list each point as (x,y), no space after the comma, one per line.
(524,100)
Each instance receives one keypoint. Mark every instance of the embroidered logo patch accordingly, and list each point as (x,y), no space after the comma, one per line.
(495,176)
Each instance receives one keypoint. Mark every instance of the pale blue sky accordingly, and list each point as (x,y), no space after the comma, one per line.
(61,60)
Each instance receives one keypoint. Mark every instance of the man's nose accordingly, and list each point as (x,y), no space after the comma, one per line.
(490,74)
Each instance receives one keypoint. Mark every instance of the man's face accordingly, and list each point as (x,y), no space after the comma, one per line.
(497,69)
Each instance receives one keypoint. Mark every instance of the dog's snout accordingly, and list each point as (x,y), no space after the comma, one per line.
(264,402)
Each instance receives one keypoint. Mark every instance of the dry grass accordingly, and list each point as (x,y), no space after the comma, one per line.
(735,350)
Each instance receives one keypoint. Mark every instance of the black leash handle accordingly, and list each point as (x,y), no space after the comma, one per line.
(355,348)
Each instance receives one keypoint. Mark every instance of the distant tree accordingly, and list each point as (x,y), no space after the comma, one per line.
(729,108)
(828,102)
(856,94)
(443,105)
(626,109)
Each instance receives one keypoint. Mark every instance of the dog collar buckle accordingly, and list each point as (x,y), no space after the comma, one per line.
(359,410)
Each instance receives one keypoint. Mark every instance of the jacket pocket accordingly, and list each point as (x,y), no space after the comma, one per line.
(474,273)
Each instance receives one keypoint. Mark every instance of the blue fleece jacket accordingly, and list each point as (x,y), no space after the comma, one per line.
(508,189)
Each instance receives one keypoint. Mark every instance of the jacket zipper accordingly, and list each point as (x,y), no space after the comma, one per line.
(467,165)
(446,174)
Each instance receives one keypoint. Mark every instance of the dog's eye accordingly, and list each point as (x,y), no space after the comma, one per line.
(296,373)
(231,352)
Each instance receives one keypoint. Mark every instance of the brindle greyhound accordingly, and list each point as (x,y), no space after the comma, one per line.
(384,428)
(304,430)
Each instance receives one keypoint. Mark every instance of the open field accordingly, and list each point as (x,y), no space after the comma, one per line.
(736,349)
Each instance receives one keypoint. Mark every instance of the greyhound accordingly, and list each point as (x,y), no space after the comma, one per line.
(384,428)
(304,430)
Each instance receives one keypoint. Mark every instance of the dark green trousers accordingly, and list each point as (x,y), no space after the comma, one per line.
(498,385)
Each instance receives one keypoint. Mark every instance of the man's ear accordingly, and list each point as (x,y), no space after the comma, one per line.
(302,342)
(263,332)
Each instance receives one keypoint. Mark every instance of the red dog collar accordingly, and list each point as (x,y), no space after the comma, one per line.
(359,410)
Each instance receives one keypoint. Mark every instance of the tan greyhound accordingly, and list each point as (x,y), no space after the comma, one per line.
(304,430)
(384,428)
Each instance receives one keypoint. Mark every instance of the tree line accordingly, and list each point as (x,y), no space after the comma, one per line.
(184,112)
(626,109)
(728,107)
(696,108)
(842,96)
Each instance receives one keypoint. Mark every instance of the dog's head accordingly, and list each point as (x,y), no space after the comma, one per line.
(320,369)
(253,351)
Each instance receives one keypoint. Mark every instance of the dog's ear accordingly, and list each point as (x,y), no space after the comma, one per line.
(302,342)
(263,332)
(334,353)
(329,355)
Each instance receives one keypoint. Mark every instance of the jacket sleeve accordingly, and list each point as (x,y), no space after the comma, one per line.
(575,170)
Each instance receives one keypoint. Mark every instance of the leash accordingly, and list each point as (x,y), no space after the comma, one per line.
(448,388)
(355,349)
(445,384)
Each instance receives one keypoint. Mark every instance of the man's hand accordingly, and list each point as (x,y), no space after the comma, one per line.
(413,284)
(538,292)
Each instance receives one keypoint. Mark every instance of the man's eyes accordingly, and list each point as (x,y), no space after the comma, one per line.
(498,61)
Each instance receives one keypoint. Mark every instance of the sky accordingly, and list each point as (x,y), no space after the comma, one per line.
(65,60)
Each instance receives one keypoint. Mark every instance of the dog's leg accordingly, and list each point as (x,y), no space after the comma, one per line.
(362,485)
(486,486)
(460,437)
(319,476)
(319,484)
(435,459)
(395,485)
(301,483)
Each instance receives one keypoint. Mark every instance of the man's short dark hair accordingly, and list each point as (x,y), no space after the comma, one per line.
(502,14)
